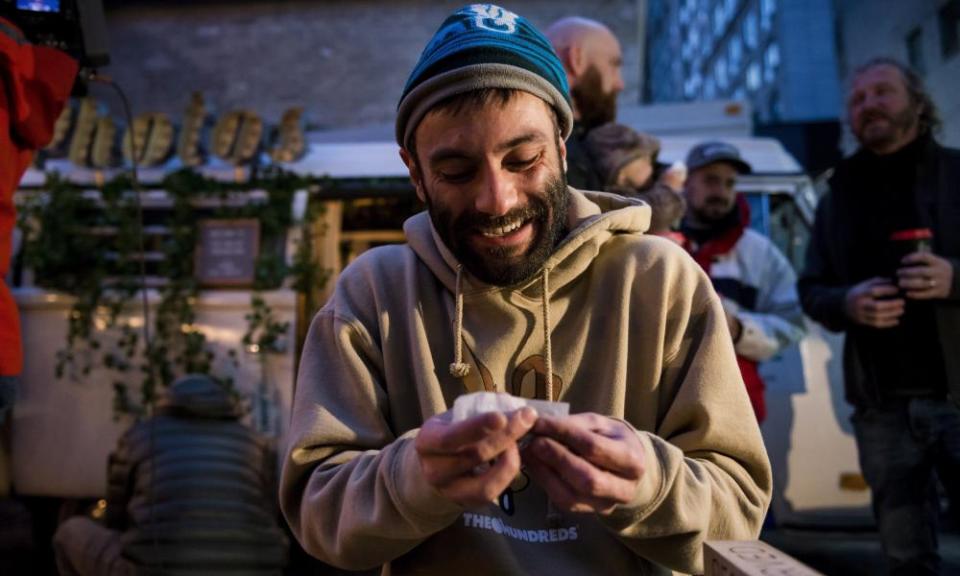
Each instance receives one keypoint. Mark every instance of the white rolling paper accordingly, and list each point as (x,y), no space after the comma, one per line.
(482,402)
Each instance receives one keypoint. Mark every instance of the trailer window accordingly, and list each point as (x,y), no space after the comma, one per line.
(777,217)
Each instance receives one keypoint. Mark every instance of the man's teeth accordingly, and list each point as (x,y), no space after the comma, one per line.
(501,230)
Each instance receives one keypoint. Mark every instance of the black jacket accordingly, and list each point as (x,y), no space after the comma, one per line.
(191,489)
(835,250)
(582,173)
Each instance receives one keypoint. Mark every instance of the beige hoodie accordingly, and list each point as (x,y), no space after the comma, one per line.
(636,333)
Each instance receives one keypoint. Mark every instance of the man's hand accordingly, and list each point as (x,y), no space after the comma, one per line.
(585,462)
(925,276)
(674,177)
(870,303)
(473,461)
(734,324)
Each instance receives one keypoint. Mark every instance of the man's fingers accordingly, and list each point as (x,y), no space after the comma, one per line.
(918,258)
(490,446)
(440,470)
(914,282)
(884,290)
(439,437)
(925,282)
(479,489)
(582,476)
(885,307)
(892,307)
(882,320)
(596,440)
(923,294)
(448,451)
(914,286)
(884,323)
(914,272)
(572,483)
(561,495)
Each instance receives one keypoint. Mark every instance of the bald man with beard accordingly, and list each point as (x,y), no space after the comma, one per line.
(592,59)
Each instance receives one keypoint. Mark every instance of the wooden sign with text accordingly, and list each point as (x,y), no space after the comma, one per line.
(226,253)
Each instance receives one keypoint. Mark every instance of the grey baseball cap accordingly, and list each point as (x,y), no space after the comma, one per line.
(711,152)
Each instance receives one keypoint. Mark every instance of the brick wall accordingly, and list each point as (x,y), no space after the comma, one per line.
(345,61)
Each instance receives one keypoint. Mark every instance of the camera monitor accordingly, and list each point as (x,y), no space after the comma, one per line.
(39,5)
(75,26)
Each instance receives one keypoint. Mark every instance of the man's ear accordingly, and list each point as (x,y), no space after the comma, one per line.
(565,59)
(576,60)
(416,177)
(563,153)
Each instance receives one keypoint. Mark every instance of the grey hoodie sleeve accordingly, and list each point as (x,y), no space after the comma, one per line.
(352,492)
(707,473)
(777,321)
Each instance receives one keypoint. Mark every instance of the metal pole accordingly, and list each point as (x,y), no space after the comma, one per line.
(642,48)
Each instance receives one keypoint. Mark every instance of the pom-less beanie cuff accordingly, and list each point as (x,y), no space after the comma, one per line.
(421,99)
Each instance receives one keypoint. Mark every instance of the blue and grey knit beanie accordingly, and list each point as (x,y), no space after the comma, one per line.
(484,46)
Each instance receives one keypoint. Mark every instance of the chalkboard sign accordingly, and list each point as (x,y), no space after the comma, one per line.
(226,252)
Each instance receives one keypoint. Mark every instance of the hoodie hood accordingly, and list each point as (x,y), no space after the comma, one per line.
(592,217)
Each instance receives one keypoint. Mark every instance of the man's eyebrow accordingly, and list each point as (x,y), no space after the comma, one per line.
(527,138)
(447,154)
(454,153)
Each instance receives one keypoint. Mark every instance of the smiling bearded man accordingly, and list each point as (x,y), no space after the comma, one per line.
(482,241)
(498,264)
(534,289)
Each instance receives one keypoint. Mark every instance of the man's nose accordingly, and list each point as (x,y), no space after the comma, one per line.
(498,193)
(871,102)
(618,84)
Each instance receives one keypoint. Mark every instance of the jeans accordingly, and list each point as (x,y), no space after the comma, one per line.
(83,547)
(903,448)
(8,393)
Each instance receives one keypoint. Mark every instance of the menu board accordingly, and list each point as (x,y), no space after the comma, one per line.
(226,252)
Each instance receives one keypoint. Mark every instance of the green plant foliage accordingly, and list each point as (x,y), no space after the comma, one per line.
(89,246)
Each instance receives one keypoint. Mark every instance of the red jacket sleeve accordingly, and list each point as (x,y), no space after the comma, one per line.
(35,83)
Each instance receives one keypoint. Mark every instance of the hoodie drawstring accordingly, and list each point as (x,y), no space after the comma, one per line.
(547,347)
(458,369)
(553,515)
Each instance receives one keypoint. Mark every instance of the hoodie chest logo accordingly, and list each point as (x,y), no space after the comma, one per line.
(530,380)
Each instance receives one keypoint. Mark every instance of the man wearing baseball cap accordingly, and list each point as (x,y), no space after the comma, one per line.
(513,282)
(756,283)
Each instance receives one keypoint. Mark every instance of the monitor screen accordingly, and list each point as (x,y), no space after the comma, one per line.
(39,5)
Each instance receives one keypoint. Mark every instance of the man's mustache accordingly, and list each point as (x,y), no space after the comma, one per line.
(475,219)
(873,114)
(717,200)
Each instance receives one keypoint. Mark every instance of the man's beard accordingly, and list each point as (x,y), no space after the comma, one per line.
(881,137)
(595,106)
(713,210)
(547,211)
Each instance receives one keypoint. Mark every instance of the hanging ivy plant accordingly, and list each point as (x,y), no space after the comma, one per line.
(89,246)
